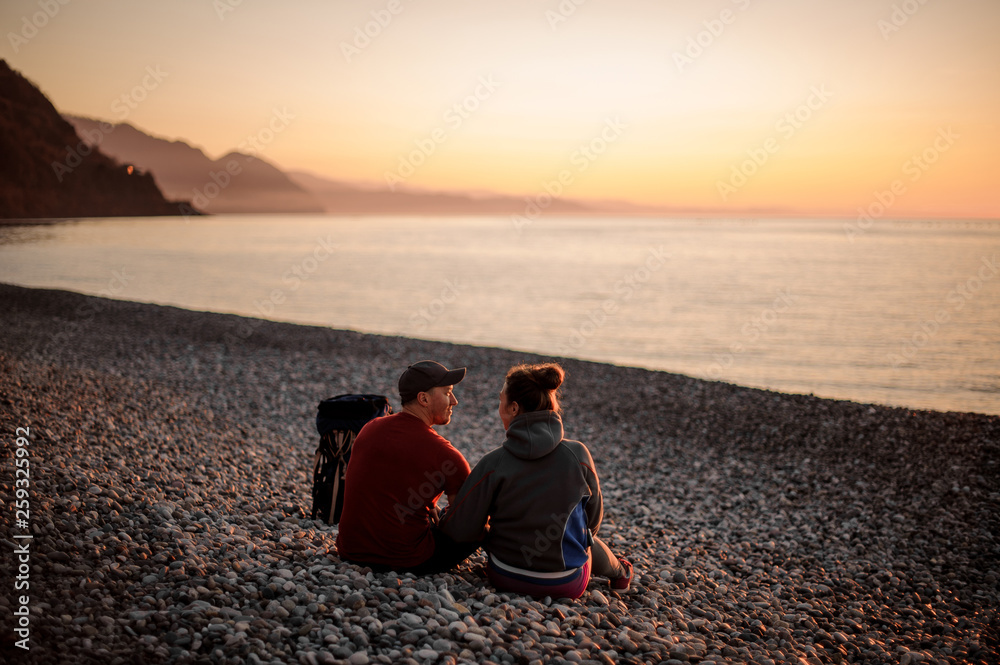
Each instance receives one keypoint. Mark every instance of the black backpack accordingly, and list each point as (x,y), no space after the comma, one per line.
(338,421)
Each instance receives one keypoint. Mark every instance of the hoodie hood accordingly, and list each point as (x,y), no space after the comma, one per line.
(534,435)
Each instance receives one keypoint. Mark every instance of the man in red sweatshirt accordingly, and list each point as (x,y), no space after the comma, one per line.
(398,470)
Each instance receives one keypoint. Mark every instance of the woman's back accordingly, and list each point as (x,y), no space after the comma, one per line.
(545,498)
(541,496)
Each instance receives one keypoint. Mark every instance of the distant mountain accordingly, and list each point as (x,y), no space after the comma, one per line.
(339,197)
(234,183)
(240,183)
(46,171)
(342,198)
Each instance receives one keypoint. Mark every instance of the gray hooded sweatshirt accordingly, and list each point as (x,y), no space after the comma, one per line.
(540,493)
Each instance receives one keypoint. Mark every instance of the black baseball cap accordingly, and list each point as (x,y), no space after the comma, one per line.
(424,375)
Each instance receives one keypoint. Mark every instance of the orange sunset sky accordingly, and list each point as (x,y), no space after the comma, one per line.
(807,107)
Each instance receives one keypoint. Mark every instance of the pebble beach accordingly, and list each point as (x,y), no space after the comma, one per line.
(170,456)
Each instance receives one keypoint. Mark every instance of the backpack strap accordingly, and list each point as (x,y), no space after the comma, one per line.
(344,439)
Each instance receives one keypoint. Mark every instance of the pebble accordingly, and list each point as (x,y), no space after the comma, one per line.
(172,523)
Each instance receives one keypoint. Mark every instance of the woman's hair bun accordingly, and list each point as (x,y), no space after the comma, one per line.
(533,387)
(549,377)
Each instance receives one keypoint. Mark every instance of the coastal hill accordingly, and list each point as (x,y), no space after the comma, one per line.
(45,171)
(343,198)
(243,183)
(234,183)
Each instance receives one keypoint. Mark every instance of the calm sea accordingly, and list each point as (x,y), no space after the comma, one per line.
(900,313)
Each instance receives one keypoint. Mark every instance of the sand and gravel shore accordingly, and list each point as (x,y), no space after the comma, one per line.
(170,450)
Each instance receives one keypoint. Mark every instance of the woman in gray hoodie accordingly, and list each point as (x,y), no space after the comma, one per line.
(540,495)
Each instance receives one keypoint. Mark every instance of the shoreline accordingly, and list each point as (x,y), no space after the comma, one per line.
(248,321)
(169,507)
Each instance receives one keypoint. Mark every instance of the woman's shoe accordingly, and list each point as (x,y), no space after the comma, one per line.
(622,583)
